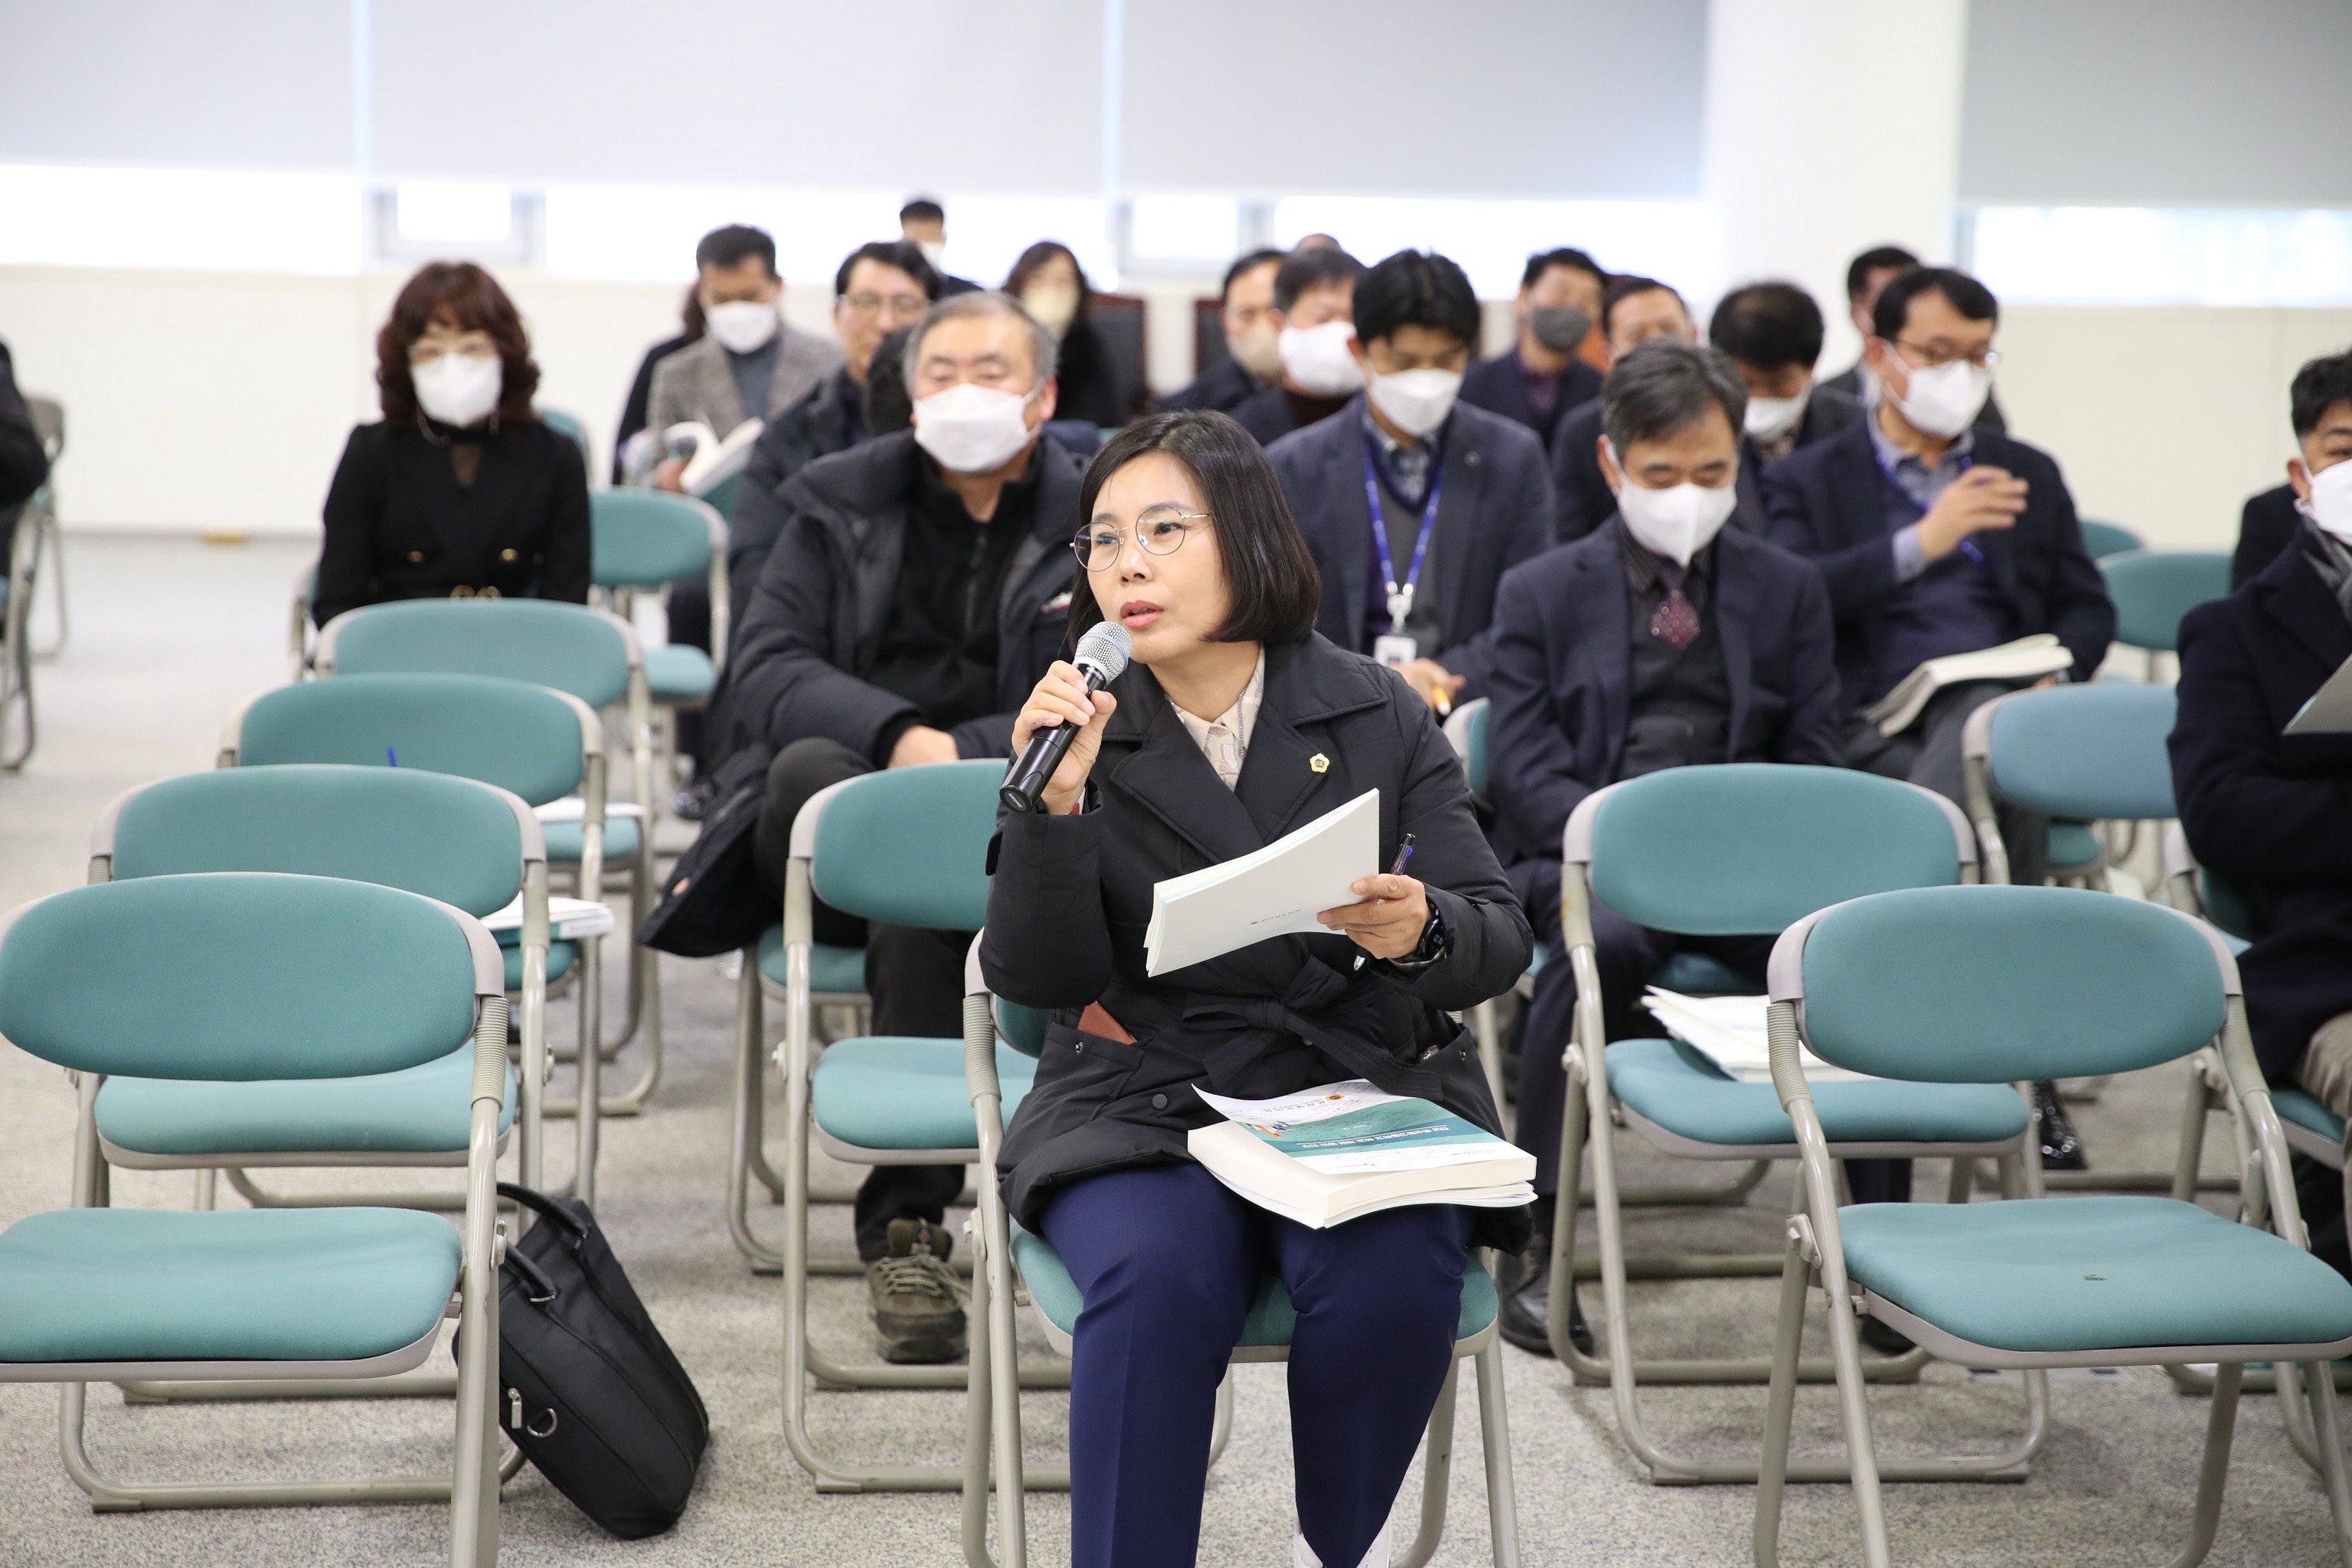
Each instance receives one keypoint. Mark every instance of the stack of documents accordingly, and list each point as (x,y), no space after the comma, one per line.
(2027,658)
(1327,1155)
(1274,891)
(1731,1032)
(569,919)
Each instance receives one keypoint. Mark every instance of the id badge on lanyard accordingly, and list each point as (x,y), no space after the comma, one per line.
(1395,647)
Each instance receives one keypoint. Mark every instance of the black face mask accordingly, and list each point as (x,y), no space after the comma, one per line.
(1559,328)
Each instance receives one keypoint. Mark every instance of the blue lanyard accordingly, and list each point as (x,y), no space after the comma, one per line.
(1968,460)
(1400,594)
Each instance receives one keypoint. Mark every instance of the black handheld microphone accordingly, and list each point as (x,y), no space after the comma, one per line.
(1101,655)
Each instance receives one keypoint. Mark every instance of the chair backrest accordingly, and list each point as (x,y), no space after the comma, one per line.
(571,647)
(451,839)
(1465,727)
(908,846)
(2105,539)
(1745,848)
(2152,589)
(2096,750)
(2000,985)
(567,426)
(239,976)
(522,738)
(642,539)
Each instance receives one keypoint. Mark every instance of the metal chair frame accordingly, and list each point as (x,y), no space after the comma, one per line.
(747,1153)
(623,597)
(1815,1256)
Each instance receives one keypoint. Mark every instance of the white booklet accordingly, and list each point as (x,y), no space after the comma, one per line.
(1732,1033)
(2329,710)
(1274,891)
(568,919)
(2027,658)
(712,461)
(1327,1155)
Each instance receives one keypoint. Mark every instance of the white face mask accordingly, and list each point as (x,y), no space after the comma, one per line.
(973,429)
(1259,352)
(1769,419)
(1055,305)
(1316,358)
(2330,505)
(741,325)
(1944,399)
(1416,400)
(460,389)
(1676,523)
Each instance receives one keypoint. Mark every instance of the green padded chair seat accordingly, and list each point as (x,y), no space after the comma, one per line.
(2085,1274)
(1271,1321)
(416,1110)
(234,1284)
(676,672)
(1696,975)
(896,1091)
(2294,1105)
(2073,844)
(833,971)
(1671,1084)
(564,841)
(560,958)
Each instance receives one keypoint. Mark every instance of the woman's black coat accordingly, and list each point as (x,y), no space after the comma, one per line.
(1071,897)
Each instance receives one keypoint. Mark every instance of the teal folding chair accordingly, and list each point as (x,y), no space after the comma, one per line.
(1009,1257)
(643,541)
(216,981)
(2086,755)
(535,742)
(1740,848)
(592,654)
(2105,539)
(836,986)
(2152,589)
(1466,728)
(569,427)
(909,847)
(1988,986)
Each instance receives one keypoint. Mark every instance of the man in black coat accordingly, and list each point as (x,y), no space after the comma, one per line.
(2320,403)
(1413,503)
(1542,380)
(1632,650)
(918,591)
(1314,300)
(1252,362)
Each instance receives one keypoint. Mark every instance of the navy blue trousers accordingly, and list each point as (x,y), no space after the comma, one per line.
(1169,1260)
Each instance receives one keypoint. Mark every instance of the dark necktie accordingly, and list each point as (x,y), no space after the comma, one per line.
(1674,619)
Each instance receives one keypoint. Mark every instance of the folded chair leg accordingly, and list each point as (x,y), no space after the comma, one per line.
(1221,1424)
(750,1088)
(1854,1411)
(1436,1474)
(2319,1379)
(589,1105)
(1780,1405)
(979,1422)
(2214,1468)
(1494,1440)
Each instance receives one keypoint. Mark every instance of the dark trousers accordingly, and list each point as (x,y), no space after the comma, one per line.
(914,975)
(1169,1260)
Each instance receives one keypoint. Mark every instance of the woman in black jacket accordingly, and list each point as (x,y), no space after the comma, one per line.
(1235,725)
(461,490)
(1053,287)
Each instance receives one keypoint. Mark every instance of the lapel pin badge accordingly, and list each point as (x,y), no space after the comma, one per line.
(1319,762)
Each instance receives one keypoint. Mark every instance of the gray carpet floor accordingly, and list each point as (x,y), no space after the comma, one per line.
(167,636)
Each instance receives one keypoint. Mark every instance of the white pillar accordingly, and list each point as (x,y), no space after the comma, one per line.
(1831,126)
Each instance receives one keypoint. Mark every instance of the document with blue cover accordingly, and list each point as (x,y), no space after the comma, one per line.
(1327,1155)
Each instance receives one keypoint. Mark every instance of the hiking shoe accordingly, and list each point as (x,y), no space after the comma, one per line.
(915,1299)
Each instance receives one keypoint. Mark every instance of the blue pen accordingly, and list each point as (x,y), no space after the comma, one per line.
(1969,548)
(1404,853)
(391,759)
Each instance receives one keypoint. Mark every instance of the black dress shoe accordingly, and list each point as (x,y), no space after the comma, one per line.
(1525,1313)
(2061,1146)
(1884,1338)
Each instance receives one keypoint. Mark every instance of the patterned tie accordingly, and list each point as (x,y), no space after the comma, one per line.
(1674,619)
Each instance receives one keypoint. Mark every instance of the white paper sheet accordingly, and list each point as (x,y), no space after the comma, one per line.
(1273,891)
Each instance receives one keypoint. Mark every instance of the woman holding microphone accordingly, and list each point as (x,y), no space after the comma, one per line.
(1233,724)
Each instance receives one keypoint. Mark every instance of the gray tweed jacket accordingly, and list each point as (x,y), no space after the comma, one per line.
(694,383)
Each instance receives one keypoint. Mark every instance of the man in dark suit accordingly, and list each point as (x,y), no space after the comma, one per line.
(1865,275)
(1663,639)
(1544,379)
(923,224)
(1773,333)
(2320,403)
(1413,503)
(1254,360)
(1314,303)
(1632,311)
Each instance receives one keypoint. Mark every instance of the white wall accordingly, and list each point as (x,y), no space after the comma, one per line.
(219,402)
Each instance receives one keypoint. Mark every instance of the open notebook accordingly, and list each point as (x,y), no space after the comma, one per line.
(1731,1032)
(2027,658)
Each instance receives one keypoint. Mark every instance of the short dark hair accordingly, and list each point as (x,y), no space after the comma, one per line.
(1243,264)
(735,245)
(470,298)
(1543,261)
(903,254)
(1304,269)
(1624,286)
(1416,289)
(922,209)
(1663,386)
(2320,383)
(888,406)
(1768,325)
(1965,294)
(1877,259)
(1270,572)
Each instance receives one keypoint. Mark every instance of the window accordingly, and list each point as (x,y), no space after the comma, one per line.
(1493,239)
(2151,256)
(246,221)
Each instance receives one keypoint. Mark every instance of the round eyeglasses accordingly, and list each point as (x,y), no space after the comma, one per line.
(1161,530)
